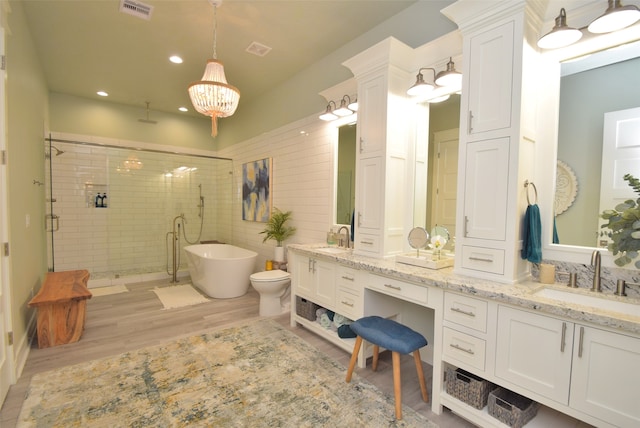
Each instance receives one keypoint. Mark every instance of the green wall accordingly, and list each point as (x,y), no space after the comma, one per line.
(26,124)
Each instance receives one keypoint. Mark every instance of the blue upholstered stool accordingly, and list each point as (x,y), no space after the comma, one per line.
(398,339)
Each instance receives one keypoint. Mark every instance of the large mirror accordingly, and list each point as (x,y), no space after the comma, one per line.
(346,174)
(602,83)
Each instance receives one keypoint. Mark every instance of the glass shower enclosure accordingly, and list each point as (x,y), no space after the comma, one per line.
(110,209)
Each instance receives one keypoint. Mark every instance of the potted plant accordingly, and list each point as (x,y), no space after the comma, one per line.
(623,223)
(278,231)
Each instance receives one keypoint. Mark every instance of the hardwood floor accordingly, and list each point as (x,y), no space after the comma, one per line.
(122,322)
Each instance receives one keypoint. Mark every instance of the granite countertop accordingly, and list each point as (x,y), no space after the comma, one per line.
(521,294)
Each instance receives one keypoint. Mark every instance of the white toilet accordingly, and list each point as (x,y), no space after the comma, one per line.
(273,286)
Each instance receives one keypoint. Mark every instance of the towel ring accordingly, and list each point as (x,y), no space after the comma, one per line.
(535,190)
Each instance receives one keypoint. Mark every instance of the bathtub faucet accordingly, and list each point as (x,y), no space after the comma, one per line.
(176,246)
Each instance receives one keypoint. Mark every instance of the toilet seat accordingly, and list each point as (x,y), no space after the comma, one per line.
(270,276)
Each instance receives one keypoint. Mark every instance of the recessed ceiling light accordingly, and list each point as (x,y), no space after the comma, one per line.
(175,59)
(183,109)
(102,93)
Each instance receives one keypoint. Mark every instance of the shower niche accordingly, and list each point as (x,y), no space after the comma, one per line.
(97,195)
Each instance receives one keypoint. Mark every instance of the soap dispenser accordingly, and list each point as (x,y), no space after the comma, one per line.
(98,201)
(104,201)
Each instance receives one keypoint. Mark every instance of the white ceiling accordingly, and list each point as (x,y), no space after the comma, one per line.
(86,46)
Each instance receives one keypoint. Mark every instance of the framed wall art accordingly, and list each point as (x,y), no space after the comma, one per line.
(256,190)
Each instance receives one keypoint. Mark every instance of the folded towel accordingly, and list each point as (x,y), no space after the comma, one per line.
(319,313)
(345,332)
(340,320)
(325,321)
(532,235)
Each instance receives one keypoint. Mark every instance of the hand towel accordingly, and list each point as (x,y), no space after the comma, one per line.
(556,238)
(531,240)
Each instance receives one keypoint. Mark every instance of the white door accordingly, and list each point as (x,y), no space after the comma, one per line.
(6,359)
(446,179)
(620,156)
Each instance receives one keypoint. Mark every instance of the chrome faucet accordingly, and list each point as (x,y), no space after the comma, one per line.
(595,261)
(348,237)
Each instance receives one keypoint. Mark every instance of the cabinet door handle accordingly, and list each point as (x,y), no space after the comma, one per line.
(564,335)
(581,343)
(393,287)
(463,312)
(470,124)
(361,141)
(359,219)
(347,303)
(460,348)
(365,242)
(309,267)
(314,266)
(466,224)
(348,278)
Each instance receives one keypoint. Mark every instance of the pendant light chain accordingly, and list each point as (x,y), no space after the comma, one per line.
(215,31)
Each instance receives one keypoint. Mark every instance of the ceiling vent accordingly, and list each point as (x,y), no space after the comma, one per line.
(136,8)
(258,49)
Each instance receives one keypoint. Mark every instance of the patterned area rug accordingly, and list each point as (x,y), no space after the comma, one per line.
(178,296)
(254,375)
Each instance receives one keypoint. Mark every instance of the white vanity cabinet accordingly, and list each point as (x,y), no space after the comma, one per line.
(534,351)
(496,151)
(314,280)
(384,181)
(605,376)
(591,370)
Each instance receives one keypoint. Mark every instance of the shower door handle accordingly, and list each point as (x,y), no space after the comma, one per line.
(53,218)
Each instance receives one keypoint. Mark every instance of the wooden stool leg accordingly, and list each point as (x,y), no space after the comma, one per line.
(397,386)
(423,386)
(376,352)
(354,358)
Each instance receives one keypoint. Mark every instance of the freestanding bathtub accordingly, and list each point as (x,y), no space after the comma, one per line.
(221,271)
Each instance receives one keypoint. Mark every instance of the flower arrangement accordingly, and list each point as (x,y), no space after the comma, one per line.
(623,224)
(437,244)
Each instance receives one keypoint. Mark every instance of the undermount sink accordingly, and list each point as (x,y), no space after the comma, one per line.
(592,301)
(332,250)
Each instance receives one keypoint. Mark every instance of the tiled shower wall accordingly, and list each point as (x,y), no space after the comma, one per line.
(129,236)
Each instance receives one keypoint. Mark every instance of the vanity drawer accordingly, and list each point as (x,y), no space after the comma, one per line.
(483,259)
(367,243)
(349,303)
(463,348)
(403,290)
(349,278)
(466,311)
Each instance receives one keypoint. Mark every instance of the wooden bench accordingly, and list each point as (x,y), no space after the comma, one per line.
(61,304)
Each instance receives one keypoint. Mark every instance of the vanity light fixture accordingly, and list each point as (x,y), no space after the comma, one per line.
(449,77)
(353,105)
(212,95)
(343,110)
(328,114)
(561,35)
(616,17)
(421,87)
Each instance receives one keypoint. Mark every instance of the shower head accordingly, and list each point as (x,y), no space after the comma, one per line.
(58,152)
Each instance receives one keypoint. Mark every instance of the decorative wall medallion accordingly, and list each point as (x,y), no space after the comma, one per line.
(566,187)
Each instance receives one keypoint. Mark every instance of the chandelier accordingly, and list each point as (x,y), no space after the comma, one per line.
(212,95)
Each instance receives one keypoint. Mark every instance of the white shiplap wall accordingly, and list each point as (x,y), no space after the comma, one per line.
(303,173)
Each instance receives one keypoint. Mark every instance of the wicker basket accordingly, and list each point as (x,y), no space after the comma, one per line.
(467,387)
(511,408)
(306,309)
